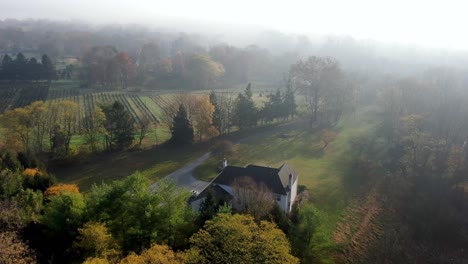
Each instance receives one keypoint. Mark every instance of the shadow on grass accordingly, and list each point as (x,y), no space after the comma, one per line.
(155,163)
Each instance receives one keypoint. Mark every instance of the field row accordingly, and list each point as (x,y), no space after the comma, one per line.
(12,96)
(143,109)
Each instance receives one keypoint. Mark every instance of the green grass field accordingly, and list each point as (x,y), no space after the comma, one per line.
(323,172)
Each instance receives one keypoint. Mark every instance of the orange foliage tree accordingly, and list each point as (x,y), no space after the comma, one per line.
(60,188)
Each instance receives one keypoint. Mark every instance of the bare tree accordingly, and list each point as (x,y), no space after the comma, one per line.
(319,79)
(252,198)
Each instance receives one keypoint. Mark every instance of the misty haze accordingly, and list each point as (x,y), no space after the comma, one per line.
(233,132)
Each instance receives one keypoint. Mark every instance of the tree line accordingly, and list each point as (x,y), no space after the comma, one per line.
(125,221)
(24,69)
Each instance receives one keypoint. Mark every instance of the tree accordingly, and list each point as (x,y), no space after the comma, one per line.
(203,72)
(142,127)
(317,78)
(245,112)
(63,214)
(327,136)
(202,117)
(208,208)
(7,72)
(119,125)
(304,235)
(68,115)
(181,129)
(20,64)
(239,239)
(161,254)
(14,250)
(93,127)
(59,188)
(289,101)
(252,198)
(217,113)
(99,66)
(48,68)
(96,241)
(127,68)
(139,216)
(273,108)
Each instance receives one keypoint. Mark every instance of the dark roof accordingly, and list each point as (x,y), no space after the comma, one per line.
(219,193)
(275,179)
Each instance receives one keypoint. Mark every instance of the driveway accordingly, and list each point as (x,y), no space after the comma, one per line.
(183,177)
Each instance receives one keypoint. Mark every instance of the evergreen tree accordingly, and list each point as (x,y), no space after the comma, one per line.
(7,69)
(33,70)
(48,68)
(181,130)
(208,208)
(289,101)
(245,112)
(119,125)
(19,67)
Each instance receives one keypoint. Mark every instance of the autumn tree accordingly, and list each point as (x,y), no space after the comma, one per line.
(202,117)
(320,81)
(95,241)
(126,68)
(203,71)
(327,136)
(93,127)
(14,250)
(239,239)
(59,188)
(69,112)
(161,254)
(99,66)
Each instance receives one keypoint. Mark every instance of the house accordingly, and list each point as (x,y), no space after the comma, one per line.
(281,182)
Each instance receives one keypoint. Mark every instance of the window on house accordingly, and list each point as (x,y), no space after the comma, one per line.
(277,197)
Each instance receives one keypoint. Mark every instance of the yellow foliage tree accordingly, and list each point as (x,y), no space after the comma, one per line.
(161,254)
(96,242)
(59,188)
(202,117)
(239,239)
(31,172)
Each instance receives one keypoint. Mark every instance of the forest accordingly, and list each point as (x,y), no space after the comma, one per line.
(93,118)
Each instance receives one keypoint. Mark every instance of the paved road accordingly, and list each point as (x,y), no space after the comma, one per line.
(184,176)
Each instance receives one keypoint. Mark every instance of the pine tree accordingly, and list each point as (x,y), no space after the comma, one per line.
(245,112)
(181,130)
(48,68)
(289,101)
(119,125)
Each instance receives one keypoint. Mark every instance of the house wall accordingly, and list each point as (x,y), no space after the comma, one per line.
(283,203)
(293,194)
(197,203)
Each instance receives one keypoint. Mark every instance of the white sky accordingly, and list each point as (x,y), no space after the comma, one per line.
(429,23)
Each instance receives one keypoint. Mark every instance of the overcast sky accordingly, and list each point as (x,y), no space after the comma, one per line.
(425,22)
